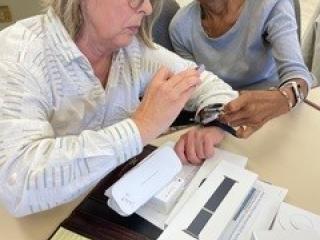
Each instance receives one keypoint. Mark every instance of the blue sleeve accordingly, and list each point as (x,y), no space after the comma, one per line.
(179,38)
(281,33)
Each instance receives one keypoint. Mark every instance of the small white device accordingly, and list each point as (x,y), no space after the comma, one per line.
(145,180)
(165,200)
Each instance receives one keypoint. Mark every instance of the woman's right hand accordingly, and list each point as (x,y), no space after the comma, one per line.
(164,99)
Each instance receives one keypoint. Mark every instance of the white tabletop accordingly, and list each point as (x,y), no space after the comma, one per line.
(285,152)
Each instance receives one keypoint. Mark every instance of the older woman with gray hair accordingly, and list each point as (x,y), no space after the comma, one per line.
(251,45)
(71,80)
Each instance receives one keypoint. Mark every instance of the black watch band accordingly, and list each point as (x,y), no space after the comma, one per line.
(223,126)
(209,115)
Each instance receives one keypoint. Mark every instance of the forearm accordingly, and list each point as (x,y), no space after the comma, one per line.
(148,130)
(41,171)
(286,49)
(211,90)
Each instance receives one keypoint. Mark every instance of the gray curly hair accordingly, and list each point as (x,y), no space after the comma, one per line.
(69,12)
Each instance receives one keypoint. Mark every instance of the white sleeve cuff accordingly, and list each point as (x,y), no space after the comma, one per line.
(127,139)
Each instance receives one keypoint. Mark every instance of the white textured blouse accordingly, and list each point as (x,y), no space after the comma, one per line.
(60,130)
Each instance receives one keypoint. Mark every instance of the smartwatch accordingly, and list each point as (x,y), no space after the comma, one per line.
(296,90)
(208,117)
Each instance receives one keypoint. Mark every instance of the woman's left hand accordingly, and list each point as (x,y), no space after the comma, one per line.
(198,144)
(252,109)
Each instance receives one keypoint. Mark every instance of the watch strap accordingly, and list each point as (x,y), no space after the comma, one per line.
(296,90)
(223,126)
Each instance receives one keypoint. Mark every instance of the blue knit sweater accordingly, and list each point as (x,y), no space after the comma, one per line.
(260,50)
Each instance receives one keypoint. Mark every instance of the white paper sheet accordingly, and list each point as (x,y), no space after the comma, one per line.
(293,218)
(185,223)
(257,213)
(192,176)
(286,235)
(208,166)
(152,214)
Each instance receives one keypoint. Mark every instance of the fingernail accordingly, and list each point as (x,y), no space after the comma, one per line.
(200,68)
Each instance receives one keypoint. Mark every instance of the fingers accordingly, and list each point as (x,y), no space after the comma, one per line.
(235,113)
(246,118)
(190,149)
(185,84)
(179,87)
(247,110)
(182,81)
(245,132)
(236,104)
(233,119)
(238,123)
(179,148)
(163,75)
(182,97)
(185,74)
(199,148)
(197,145)
(208,146)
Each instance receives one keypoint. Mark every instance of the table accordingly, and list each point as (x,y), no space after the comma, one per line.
(285,152)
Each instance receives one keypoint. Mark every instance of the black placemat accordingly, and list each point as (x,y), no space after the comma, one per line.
(95,220)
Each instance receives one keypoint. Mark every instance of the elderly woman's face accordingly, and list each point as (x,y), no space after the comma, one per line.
(114,21)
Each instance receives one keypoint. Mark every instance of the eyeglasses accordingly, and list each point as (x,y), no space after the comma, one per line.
(135,4)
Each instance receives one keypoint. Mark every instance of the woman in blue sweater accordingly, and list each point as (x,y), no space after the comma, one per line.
(250,44)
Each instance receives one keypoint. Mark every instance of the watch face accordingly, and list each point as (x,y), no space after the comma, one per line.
(208,116)
(296,90)
(210,113)
(302,97)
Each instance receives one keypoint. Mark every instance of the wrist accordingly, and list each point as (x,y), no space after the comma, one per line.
(219,133)
(285,97)
(296,89)
(289,96)
(146,131)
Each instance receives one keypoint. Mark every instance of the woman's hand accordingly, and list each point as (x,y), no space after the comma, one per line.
(163,101)
(252,109)
(198,144)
